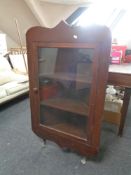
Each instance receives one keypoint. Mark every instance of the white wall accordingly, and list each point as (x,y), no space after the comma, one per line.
(10,42)
(15,9)
(50,14)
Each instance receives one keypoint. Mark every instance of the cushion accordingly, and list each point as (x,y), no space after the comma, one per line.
(9,97)
(2,92)
(18,62)
(20,78)
(14,87)
(5,76)
(8,75)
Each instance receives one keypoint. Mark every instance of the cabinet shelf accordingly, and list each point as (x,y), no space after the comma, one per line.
(69,105)
(70,129)
(77,106)
(64,121)
(68,77)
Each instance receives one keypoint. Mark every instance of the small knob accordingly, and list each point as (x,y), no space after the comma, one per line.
(35,89)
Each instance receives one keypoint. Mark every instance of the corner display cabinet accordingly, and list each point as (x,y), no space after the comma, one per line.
(68,68)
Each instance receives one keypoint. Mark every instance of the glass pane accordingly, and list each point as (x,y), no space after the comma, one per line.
(65,76)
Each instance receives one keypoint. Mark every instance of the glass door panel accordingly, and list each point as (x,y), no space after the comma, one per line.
(65,77)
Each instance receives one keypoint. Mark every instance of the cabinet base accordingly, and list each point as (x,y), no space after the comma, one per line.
(71,144)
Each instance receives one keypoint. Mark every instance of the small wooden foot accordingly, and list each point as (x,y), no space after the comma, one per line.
(44,143)
(84,160)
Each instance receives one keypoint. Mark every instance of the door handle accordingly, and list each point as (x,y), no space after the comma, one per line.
(35,89)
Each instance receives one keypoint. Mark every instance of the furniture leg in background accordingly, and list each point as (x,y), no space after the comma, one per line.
(124,110)
(120,75)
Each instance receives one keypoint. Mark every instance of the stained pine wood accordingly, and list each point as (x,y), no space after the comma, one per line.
(97,38)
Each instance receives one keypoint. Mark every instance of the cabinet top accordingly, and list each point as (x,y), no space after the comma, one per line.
(64,33)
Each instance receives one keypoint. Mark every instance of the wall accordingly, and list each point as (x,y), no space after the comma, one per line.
(15,9)
(10,42)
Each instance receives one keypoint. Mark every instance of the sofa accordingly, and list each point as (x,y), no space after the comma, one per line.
(12,84)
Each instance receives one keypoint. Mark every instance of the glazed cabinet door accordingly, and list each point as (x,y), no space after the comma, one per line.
(68,69)
(65,86)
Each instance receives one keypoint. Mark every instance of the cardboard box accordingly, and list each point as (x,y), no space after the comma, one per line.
(112,112)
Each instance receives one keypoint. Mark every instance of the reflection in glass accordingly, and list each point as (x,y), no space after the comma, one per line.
(65,76)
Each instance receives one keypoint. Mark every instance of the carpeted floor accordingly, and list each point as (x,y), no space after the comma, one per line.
(21,151)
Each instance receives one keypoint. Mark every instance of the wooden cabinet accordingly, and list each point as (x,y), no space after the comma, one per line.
(68,68)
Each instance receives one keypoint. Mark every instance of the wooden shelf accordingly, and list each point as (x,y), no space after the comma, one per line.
(69,105)
(77,106)
(68,77)
(70,129)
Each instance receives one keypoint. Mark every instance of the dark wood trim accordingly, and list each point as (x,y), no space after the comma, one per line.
(119,79)
(124,110)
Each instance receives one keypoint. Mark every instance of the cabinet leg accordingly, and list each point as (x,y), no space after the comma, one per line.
(124,110)
(64,149)
(44,143)
(84,160)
